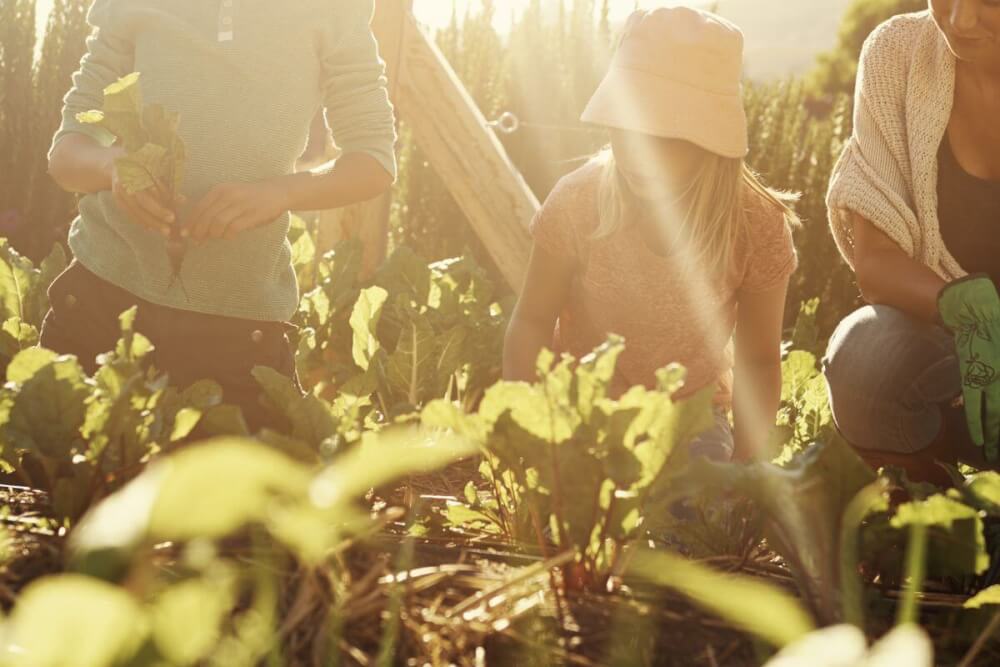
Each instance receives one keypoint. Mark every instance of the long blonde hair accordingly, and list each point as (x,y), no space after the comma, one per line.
(711,213)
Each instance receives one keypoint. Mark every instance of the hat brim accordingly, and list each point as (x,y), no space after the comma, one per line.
(638,101)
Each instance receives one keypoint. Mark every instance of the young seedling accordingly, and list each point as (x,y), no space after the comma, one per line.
(154,153)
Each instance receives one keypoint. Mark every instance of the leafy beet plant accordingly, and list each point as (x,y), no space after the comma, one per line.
(154,153)
(568,464)
(79,438)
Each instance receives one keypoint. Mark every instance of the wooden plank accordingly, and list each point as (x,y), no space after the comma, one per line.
(453,133)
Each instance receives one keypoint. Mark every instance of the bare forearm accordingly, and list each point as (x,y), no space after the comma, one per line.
(351,179)
(889,276)
(892,279)
(522,345)
(756,396)
(82,165)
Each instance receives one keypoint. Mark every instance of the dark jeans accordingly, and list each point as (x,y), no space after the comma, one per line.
(893,381)
(83,321)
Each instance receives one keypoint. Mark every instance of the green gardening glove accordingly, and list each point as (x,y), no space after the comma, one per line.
(970,308)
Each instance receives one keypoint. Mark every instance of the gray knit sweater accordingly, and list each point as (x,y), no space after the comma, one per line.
(247,77)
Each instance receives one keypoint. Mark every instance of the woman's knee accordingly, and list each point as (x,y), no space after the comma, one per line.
(888,374)
(879,344)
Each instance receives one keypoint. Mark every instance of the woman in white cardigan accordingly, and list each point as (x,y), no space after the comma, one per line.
(914,202)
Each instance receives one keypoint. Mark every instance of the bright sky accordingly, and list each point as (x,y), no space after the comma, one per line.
(437,12)
(783,36)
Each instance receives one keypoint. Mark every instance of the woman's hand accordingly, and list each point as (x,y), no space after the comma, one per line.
(144,208)
(79,163)
(230,209)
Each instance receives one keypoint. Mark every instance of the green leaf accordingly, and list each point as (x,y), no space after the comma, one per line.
(161,125)
(17,278)
(146,168)
(203,394)
(24,366)
(37,303)
(405,274)
(805,336)
(49,406)
(124,95)
(804,505)
(160,128)
(364,323)
(187,618)
(595,373)
(448,415)
(102,543)
(448,357)
(872,498)
(68,619)
(191,503)
(938,510)
(988,596)
(383,457)
(224,420)
(462,516)
(738,599)
(411,366)
(984,487)
(960,542)
(311,419)
(185,422)
(26,335)
(122,112)
(668,425)
(797,370)
(92,117)
(547,415)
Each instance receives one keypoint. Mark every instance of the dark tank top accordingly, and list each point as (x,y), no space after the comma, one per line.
(969,214)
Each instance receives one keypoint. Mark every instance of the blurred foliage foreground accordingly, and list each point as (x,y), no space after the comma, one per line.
(415,510)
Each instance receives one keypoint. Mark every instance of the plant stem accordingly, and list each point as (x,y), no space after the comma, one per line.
(864,502)
(991,629)
(388,643)
(916,569)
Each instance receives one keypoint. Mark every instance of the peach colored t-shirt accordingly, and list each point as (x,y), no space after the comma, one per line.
(666,311)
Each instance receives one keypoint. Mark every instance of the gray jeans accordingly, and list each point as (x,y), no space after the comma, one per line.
(717,443)
(892,379)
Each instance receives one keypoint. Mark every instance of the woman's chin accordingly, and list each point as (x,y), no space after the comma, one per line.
(974,51)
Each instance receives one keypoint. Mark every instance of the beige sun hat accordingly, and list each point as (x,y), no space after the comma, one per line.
(678,74)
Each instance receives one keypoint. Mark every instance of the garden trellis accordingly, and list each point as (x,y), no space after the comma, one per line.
(458,142)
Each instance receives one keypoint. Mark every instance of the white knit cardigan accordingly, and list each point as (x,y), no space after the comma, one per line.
(888,171)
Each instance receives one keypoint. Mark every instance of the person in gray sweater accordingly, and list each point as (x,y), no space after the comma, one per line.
(246,77)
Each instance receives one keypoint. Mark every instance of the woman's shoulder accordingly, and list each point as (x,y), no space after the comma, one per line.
(895,39)
(765,255)
(569,213)
(580,184)
(575,195)
(763,209)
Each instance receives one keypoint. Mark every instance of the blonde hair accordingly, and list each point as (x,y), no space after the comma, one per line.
(711,212)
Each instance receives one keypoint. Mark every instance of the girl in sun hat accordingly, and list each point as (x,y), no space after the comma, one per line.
(666,237)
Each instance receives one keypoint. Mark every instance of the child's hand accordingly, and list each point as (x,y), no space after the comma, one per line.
(143,208)
(232,208)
